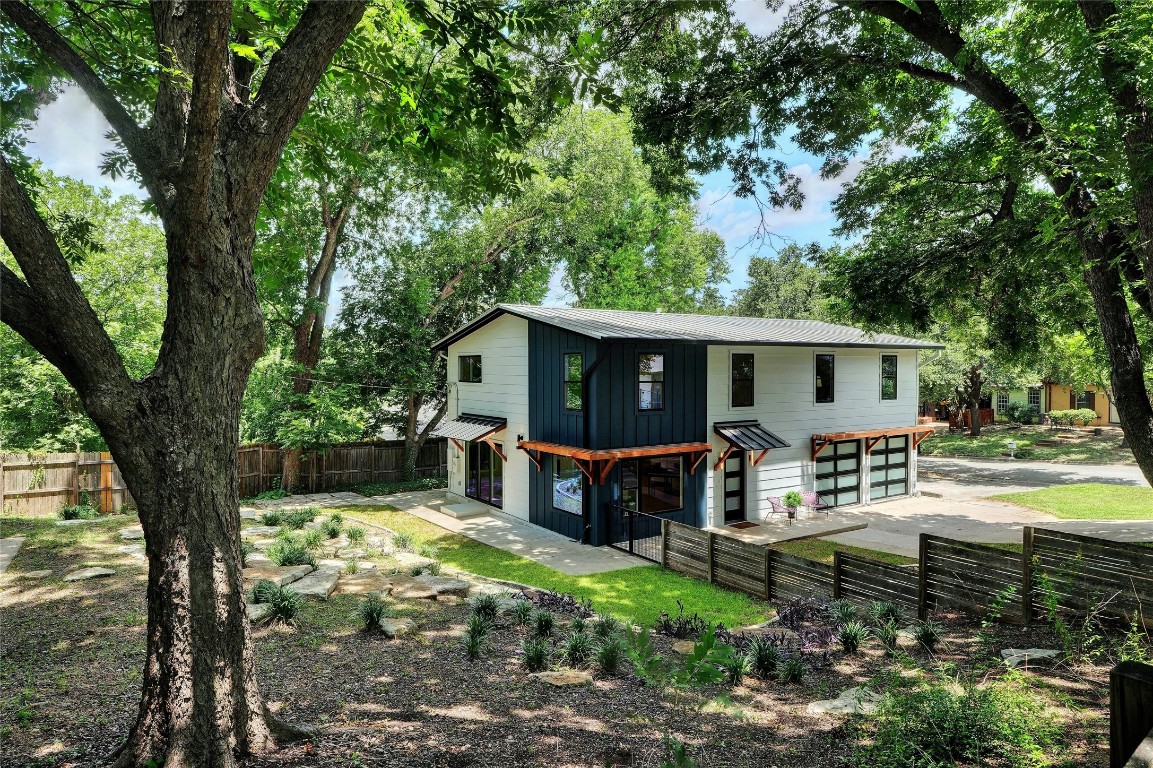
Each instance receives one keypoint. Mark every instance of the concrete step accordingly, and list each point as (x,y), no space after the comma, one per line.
(464,510)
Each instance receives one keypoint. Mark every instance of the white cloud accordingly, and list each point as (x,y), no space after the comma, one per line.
(68,137)
(757,17)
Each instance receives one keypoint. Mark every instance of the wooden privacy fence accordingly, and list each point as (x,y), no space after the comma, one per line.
(40,484)
(1076,573)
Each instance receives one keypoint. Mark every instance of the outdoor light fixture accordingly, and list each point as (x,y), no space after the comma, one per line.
(1012,446)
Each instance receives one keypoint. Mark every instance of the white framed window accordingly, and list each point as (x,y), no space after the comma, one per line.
(1002,401)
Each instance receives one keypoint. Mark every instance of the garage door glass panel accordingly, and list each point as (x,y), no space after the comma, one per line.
(889,468)
(838,473)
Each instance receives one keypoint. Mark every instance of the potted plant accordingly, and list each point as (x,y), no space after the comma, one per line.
(792,500)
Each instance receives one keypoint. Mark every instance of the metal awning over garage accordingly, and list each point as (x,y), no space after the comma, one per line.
(469,427)
(871,437)
(749,436)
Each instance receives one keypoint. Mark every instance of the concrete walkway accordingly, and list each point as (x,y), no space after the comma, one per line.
(8,550)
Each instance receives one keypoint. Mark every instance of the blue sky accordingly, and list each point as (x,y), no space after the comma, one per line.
(69,138)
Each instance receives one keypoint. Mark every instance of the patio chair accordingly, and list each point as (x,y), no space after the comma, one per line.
(779,508)
(814,502)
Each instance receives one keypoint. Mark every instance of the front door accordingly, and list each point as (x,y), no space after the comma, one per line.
(734,487)
(485,473)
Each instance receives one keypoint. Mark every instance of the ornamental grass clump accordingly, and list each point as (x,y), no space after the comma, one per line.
(764,656)
(609,653)
(793,670)
(79,512)
(271,518)
(486,606)
(841,612)
(312,539)
(263,590)
(887,633)
(605,627)
(298,518)
(522,612)
(431,551)
(373,611)
(578,649)
(544,622)
(402,542)
(852,636)
(246,549)
(290,552)
(928,634)
(884,611)
(285,604)
(535,654)
(736,667)
(355,535)
(331,528)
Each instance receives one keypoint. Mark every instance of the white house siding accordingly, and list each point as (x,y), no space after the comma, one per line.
(784,403)
(503,347)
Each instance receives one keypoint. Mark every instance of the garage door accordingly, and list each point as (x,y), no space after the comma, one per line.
(838,477)
(889,467)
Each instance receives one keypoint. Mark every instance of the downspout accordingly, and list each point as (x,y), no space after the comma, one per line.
(586,416)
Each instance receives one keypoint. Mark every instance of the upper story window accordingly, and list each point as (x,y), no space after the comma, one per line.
(888,377)
(741,390)
(468,369)
(650,382)
(573,381)
(823,379)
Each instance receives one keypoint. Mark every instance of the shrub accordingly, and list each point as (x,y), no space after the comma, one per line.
(544,622)
(927,634)
(736,667)
(401,486)
(297,518)
(577,625)
(522,612)
(79,512)
(352,568)
(431,551)
(330,528)
(290,552)
(939,726)
(271,518)
(841,612)
(355,535)
(402,541)
(337,518)
(486,606)
(536,653)
(263,590)
(764,655)
(884,611)
(578,648)
(434,567)
(287,534)
(285,604)
(605,627)
(609,653)
(793,499)
(1073,416)
(887,634)
(312,539)
(852,635)
(373,611)
(793,670)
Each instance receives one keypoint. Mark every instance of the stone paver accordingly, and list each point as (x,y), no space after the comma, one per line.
(257,531)
(1016,656)
(397,627)
(444,585)
(410,590)
(258,612)
(37,574)
(363,584)
(69,523)
(8,549)
(319,583)
(852,701)
(132,533)
(277,574)
(89,573)
(563,677)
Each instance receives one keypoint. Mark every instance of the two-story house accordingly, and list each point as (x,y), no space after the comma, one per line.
(565,416)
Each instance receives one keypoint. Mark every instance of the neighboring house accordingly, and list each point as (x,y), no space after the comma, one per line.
(1049,396)
(565,417)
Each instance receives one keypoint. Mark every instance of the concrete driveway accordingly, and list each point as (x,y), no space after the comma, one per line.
(954,503)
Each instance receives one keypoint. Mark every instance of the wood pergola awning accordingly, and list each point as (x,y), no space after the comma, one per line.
(871,437)
(469,427)
(749,436)
(596,463)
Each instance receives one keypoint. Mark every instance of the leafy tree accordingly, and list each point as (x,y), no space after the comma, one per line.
(202,98)
(1048,105)
(788,285)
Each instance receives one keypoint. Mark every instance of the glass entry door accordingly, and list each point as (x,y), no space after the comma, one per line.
(734,494)
(485,473)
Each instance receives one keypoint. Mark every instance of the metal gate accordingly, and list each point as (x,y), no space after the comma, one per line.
(634,532)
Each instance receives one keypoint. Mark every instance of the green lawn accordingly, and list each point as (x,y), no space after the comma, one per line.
(639,594)
(994,442)
(1088,501)
(823,549)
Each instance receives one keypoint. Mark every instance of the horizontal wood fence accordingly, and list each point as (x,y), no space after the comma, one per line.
(40,484)
(1078,573)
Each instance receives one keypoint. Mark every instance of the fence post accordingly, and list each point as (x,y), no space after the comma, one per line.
(664,542)
(1130,713)
(768,573)
(3,483)
(922,577)
(836,574)
(76,480)
(1027,574)
(709,554)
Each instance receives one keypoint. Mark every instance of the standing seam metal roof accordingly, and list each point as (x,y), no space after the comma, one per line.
(715,329)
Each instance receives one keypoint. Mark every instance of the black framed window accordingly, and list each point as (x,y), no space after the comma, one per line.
(468,369)
(888,377)
(567,486)
(653,485)
(573,386)
(888,468)
(823,378)
(741,390)
(1087,400)
(650,382)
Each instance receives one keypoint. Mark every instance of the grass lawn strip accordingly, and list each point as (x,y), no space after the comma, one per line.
(1087,501)
(637,594)
(822,550)
(994,443)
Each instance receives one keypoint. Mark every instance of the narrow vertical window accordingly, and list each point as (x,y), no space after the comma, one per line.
(1002,402)
(888,377)
(650,382)
(823,380)
(573,381)
(742,380)
(468,369)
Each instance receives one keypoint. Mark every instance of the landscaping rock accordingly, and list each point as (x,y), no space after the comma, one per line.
(409,560)
(444,585)
(564,677)
(769,629)
(133,551)
(363,584)
(317,584)
(277,574)
(256,531)
(683,647)
(89,573)
(859,701)
(258,612)
(352,554)
(410,590)
(393,628)
(35,574)
(249,513)
(76,522)
(450,599)
(256,559)
(263,543)
(132,533)
(1015,656)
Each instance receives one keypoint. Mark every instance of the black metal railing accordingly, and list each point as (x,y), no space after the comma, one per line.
(634,532)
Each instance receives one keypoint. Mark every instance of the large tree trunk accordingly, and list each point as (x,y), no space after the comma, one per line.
(971,396)
(414,436)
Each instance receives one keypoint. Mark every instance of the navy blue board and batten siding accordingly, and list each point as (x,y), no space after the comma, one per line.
(614,419)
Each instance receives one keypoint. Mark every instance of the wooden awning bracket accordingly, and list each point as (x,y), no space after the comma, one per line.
(605,469)
(456,442)
(918,439)
(723,457)
(819,444)
(697,463)
(589,471)
(872,442)
(763,454)
(488,441)
(534,459)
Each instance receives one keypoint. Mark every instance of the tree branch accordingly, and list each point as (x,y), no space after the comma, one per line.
(139,143)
